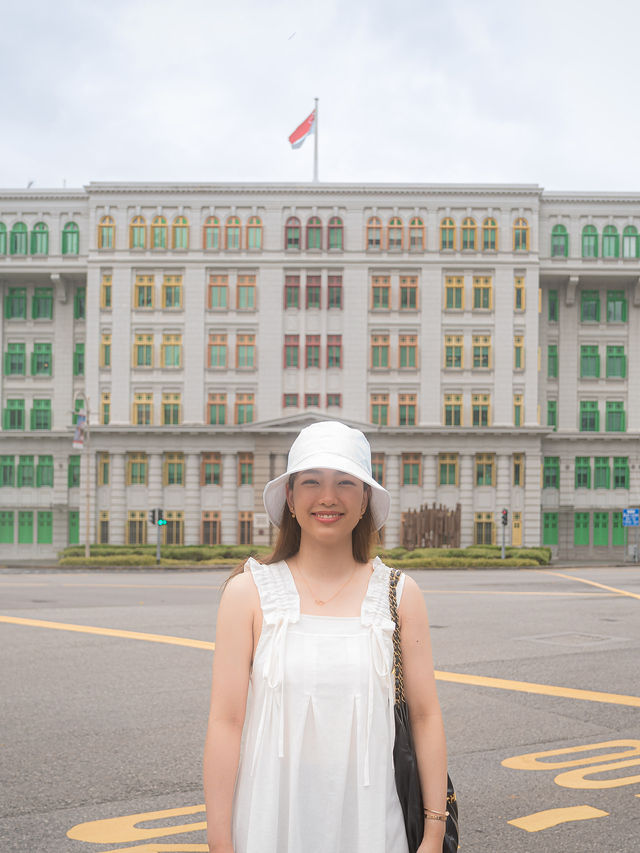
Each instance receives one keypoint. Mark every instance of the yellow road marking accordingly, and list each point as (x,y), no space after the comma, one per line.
(542,689)
(455,677)
(118,830)
(552,817)
(513,592)
(109,632)
(162,848)
(592,583)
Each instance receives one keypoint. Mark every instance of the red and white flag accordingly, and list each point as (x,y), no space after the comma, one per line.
(301,132)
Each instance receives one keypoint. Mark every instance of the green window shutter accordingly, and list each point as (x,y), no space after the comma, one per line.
(550,528)
(7,471)
(45,528)
(25,527)
(601,529)
(6,527)
(581,528)
(618,531)
(552,413)
(74,527)
(583,472)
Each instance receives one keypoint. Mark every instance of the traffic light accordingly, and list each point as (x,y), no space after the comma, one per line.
(505,517)
(161,519)
(153,516)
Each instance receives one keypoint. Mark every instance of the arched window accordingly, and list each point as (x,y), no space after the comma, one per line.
(3,239)
(336,233)
(374,233)
(18,242)
(521,235)
(159,232)
(589,241)
(559,242)
(138,233)
(106,233)
(292,233)
(610,242)
(180,233)
(40,239)
(314,233)
(489,235)
(469,234)
(447,234)
(232,233)
(70,239)
(395,234)
(416,235)
(629,242)
(254,233)
(211,233)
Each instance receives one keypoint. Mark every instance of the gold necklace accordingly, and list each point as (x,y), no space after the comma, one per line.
(318,601)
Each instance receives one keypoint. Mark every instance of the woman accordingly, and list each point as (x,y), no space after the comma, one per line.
(298,757)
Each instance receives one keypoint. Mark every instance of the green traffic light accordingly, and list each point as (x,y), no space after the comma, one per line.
(161,521)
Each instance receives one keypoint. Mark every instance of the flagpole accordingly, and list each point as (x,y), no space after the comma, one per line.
(315,144)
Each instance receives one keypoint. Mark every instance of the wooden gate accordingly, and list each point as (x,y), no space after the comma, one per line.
(431,527)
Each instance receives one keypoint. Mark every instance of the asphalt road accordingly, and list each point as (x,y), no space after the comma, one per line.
(101,731)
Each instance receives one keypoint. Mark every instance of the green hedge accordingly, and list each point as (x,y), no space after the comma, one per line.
(485,556)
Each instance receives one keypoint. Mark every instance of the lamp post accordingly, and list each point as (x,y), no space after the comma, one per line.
(80,395)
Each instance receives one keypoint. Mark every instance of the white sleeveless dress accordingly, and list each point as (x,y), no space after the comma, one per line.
(316,766)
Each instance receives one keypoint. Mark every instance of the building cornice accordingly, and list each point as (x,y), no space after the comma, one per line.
(328,189)
(590,197)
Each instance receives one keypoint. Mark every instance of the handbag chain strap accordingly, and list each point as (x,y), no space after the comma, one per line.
(394,577)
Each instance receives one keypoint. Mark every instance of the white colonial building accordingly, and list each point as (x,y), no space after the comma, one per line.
(484,336)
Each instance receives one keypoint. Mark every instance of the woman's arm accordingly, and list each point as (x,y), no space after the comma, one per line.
(424,709)
(230,683)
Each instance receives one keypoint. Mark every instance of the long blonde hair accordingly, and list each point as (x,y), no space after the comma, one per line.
(363,537)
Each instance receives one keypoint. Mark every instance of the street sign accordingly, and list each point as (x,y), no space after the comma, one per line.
(631,517)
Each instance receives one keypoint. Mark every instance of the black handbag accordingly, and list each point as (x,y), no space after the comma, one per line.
(404,754)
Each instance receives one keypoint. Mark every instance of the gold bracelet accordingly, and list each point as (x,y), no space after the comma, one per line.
(441,817)
(434,811)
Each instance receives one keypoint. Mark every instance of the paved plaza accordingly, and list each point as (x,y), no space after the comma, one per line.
(105,681)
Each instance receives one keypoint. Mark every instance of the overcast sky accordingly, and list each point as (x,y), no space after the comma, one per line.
(540,92)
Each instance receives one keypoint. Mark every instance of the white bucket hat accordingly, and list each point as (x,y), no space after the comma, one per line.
(328,444)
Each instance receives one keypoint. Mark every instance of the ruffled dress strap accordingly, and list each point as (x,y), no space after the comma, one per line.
(279,597)
(280,604)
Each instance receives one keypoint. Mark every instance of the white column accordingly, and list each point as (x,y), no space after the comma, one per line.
(503,491)
(466,499)
(155,488)
(429,478)
(229,513)
(531,515)
(393,526)
(192,499)
(118,505)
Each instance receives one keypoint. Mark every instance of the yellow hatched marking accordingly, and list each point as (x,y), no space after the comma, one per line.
(592,583)
(108,632)
(552,817)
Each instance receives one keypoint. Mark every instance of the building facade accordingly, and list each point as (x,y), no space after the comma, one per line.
(484,337)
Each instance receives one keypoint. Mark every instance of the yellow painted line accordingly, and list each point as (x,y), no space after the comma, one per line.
(541,689)
(552,817)
(108,632)
(592,583)
(115,585)
(454,677)
(514,592)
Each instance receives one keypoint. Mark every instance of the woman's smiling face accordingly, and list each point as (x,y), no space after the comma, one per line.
(325,500)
